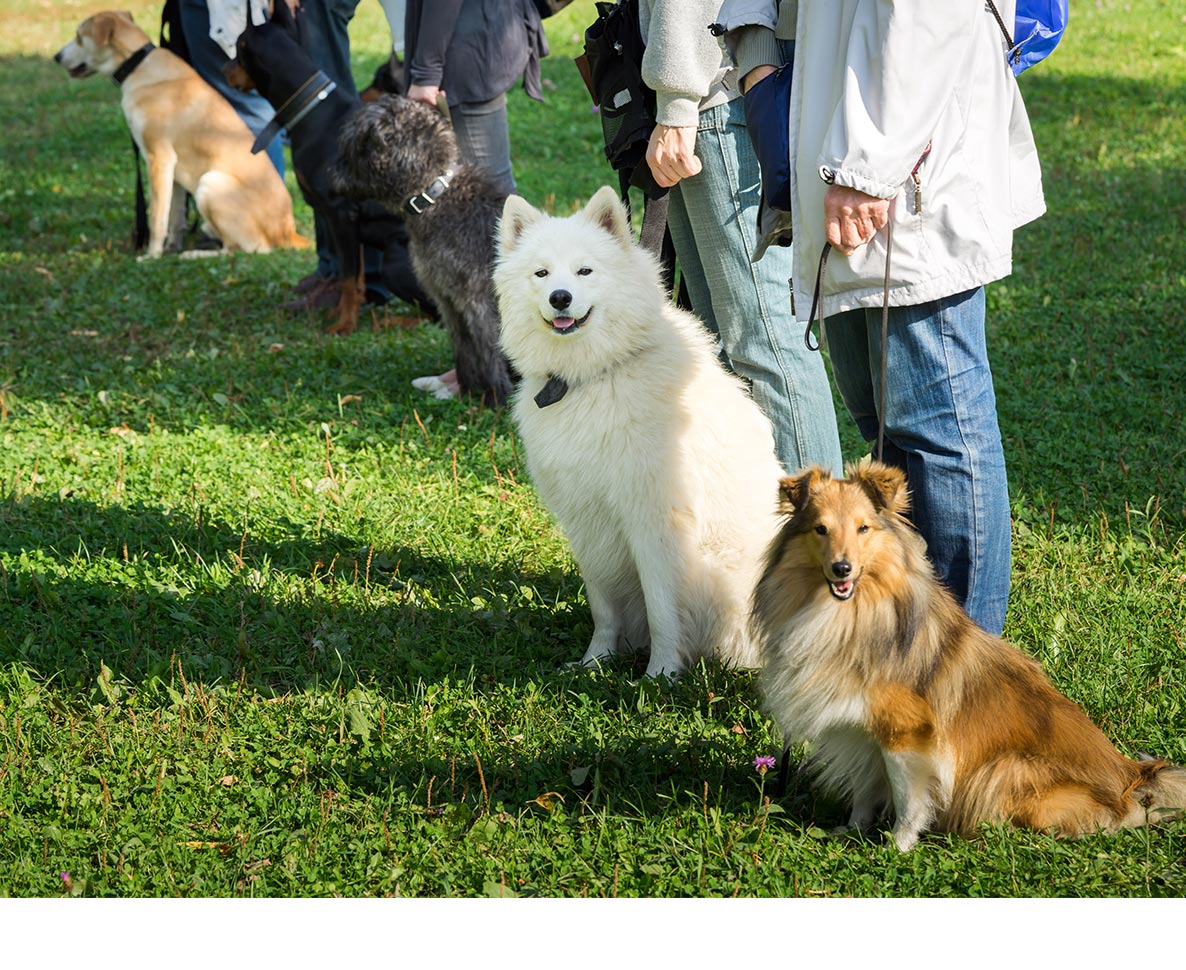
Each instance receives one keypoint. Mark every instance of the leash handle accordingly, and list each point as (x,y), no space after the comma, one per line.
(817,301)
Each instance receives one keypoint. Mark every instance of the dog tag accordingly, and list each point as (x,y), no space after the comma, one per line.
(552,391)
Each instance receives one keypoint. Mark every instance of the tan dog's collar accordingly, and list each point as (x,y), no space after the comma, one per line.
(127,67)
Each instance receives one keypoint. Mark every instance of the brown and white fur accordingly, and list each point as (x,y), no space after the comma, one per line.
(189,135)
(657,463)
(908,705)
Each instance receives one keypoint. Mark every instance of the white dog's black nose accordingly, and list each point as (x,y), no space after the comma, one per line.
(560,299)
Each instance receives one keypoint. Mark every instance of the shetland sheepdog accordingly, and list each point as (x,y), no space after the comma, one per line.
(909,707)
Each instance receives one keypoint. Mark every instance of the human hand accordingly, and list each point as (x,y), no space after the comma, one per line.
(759,73)
(424,93)
(671,154)
(852,218)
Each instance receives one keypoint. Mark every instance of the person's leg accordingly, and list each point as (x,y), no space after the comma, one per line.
(750,302)
(691,271)
(941,427)
(208,59)
(325,37)
(484,138)
(394,11)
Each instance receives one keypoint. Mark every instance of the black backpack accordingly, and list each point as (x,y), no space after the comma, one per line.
(612,70)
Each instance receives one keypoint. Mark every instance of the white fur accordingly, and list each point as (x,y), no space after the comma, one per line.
(657,464)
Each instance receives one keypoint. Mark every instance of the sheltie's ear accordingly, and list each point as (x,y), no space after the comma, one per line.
(884,484)
(795,492)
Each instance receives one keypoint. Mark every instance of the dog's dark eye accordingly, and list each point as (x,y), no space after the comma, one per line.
(584,271)
(541,273)
(863,528)
(821,530)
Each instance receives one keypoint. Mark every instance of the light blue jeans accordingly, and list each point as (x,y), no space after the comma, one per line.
(713,218)
(941,429)
(208,59)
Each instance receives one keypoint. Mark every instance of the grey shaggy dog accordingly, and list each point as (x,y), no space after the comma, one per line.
(394,149)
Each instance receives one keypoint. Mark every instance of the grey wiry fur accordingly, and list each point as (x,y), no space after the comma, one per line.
(393,149)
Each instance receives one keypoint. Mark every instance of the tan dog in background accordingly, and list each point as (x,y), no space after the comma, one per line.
(911,709)
(190,135)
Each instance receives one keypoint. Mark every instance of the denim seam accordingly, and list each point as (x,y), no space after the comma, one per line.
(788,391)
(976,552)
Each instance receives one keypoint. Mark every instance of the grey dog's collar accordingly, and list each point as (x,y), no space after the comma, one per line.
(436,188)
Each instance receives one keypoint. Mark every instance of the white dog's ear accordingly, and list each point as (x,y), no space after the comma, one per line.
(606,209)
(517,215)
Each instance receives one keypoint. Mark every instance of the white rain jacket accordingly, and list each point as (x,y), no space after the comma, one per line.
(875,82)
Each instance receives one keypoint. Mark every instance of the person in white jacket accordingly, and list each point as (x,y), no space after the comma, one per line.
(909,142)
(701,150)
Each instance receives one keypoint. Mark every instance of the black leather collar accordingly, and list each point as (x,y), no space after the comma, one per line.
(418,203)
(127,67)
(551,392)
(316,89)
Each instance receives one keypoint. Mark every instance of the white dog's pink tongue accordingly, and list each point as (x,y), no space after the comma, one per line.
(562,323)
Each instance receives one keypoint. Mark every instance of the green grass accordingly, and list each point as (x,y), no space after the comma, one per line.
(272,624)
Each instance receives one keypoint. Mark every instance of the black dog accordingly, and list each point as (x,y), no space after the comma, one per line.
(388,79)
(271,60)
(404,154)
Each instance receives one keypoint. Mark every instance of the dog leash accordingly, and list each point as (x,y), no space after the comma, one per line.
(817,304)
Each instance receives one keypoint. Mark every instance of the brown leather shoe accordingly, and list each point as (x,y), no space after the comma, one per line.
(321,296)
(306,283)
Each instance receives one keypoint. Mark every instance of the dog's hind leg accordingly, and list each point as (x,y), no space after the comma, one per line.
(219,203)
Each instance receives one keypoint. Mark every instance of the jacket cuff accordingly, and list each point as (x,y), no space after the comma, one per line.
(869,184)
(677,112)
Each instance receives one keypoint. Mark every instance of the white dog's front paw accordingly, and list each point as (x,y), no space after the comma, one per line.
(664,671)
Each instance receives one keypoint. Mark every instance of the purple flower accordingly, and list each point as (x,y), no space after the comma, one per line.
(65,876)
(763,763)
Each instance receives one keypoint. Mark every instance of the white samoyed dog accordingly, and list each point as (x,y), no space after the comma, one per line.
(655,461)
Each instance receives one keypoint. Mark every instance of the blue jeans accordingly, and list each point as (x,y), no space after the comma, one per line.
(713,218)
(484,138)
(208,59)
(941,429)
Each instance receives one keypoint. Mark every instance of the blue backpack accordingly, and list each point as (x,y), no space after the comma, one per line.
(1038,27)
